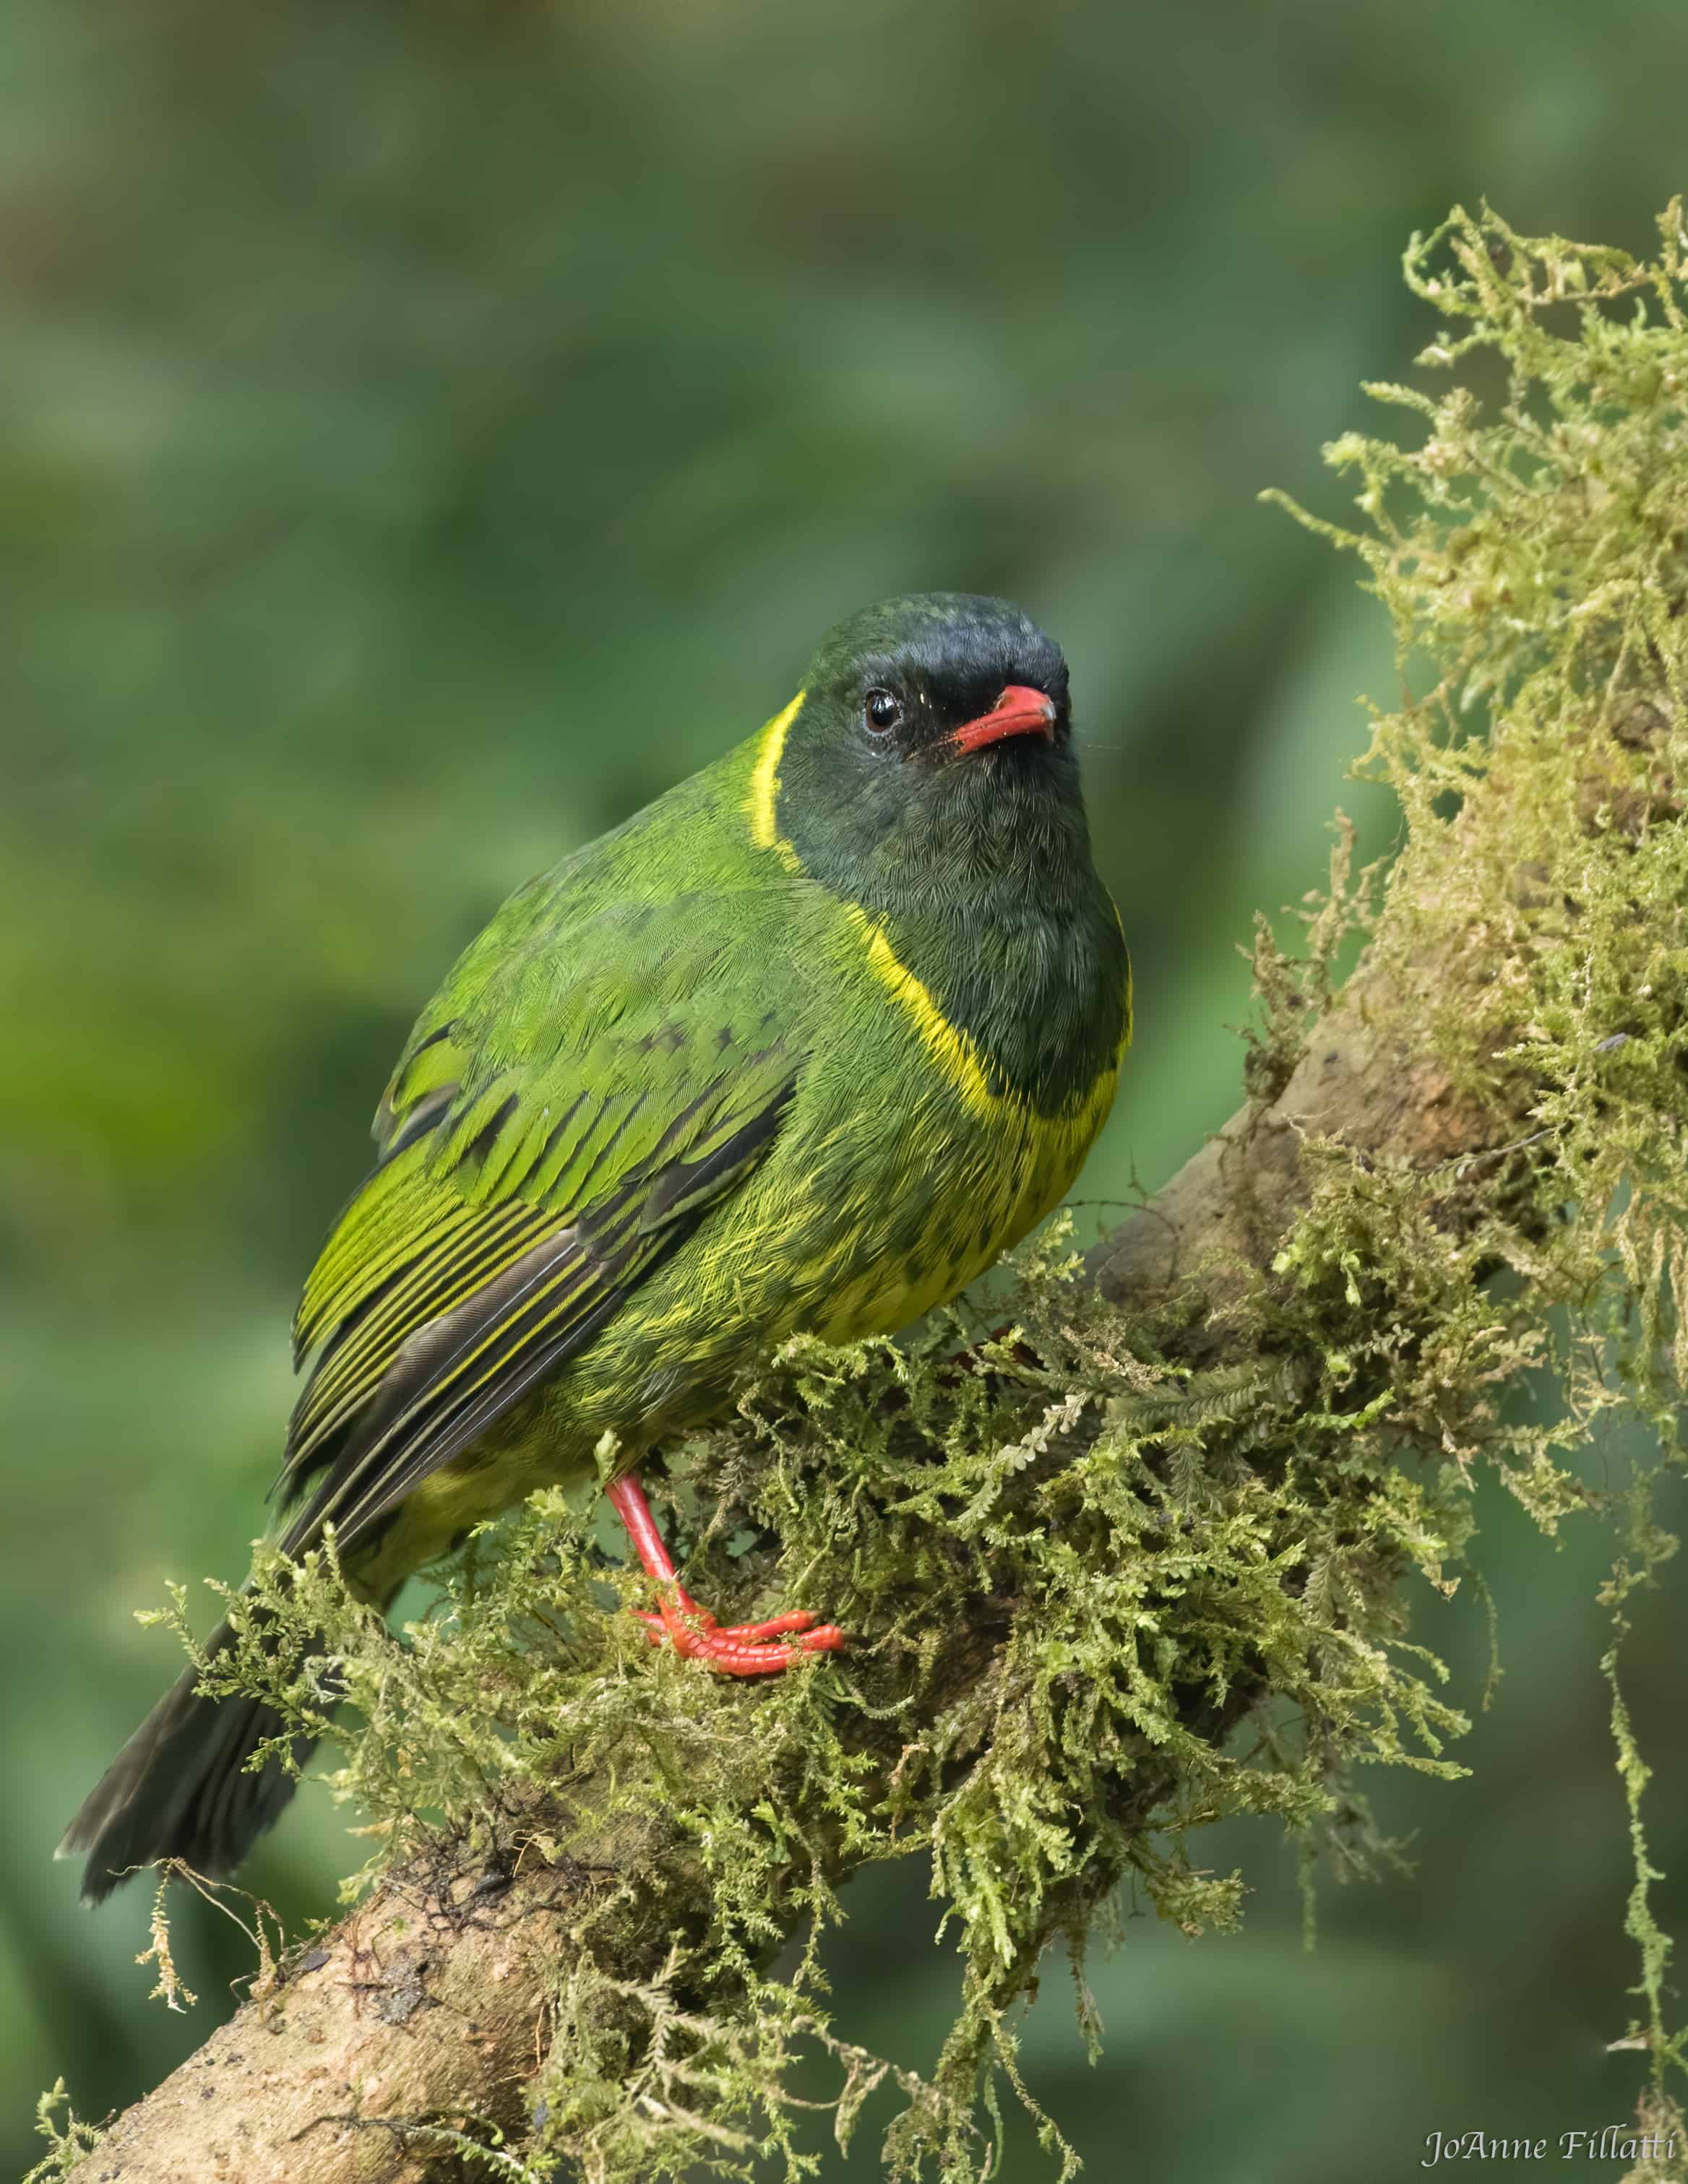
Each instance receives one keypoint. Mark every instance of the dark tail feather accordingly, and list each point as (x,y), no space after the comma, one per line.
(180,1789)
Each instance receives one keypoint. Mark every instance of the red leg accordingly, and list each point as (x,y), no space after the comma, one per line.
(741,1650)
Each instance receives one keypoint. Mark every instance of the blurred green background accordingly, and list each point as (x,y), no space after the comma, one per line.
(425,432)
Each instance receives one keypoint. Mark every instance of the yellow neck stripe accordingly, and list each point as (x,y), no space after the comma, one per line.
(764,799)
(954,1051)
(950,1047)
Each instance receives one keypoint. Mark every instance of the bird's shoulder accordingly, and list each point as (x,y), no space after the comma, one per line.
(614,1048)
(650,954)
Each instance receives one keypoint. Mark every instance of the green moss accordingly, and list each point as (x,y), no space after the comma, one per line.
(1532,557)
(1101,1589)
(68,2140)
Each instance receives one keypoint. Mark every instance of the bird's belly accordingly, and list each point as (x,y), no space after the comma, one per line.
(945,1229)
(819,1242)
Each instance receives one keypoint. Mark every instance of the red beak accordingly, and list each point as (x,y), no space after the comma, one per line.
(1019,711)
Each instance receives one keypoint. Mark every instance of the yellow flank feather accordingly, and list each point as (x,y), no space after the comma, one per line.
(765,787)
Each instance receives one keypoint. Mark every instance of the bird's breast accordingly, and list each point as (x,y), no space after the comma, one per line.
(1028,1008)
(927,1162)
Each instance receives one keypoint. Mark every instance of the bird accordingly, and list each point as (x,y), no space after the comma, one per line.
(802,1047)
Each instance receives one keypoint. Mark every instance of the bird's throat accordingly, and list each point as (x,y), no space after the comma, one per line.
(972,895)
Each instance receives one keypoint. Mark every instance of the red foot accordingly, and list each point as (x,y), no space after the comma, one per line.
(738,1649)
(741,1649)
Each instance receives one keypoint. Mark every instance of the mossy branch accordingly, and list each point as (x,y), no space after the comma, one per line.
(1144,1559)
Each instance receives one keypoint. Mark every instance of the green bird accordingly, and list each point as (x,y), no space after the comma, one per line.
(803,1046)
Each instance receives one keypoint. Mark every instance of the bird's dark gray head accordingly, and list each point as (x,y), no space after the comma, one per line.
(921,678)
(932,753)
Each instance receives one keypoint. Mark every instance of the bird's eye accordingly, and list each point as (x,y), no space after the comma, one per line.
(882,711)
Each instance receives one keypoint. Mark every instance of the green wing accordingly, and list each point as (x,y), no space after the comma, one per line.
(579,1095)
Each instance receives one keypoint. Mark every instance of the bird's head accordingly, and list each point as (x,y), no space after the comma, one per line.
(932,748)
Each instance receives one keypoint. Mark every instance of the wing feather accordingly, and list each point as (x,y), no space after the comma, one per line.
(518,1203)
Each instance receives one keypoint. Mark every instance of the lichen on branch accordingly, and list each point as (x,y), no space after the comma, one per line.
(1146,1556)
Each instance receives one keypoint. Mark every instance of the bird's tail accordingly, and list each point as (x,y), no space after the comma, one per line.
(179,1787)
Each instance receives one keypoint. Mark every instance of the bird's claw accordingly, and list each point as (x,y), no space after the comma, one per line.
(738,1649)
